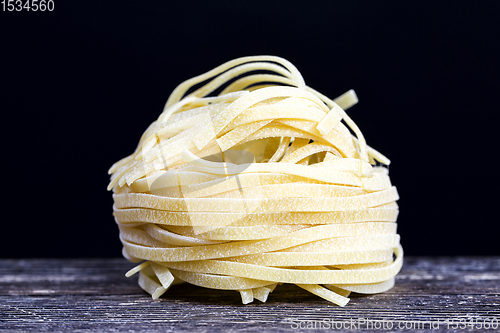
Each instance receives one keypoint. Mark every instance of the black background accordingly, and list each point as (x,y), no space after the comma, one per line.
(80,84)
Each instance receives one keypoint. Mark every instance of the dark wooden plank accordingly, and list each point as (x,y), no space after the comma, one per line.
(94,295)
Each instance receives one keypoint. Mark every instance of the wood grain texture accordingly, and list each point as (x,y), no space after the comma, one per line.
(94,295)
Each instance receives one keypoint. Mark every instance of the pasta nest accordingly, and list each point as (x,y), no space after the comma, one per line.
(249,179)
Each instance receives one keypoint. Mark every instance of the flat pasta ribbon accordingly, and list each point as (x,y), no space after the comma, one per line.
(249,179)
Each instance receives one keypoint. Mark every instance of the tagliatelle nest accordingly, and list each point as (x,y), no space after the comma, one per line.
(259,185)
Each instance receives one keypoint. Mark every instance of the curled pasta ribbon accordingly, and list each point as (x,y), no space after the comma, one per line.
(249,179)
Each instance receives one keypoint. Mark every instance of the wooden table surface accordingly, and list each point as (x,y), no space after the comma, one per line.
(442,293)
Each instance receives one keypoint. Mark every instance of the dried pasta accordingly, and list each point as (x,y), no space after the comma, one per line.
(249,179)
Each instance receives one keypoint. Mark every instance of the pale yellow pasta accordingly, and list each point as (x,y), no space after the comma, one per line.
(260,185)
